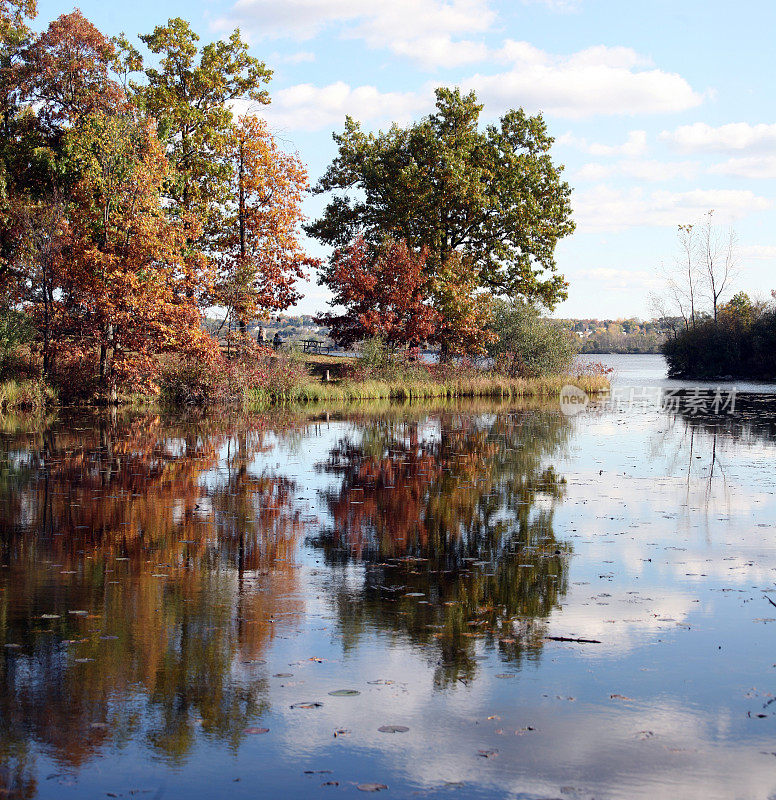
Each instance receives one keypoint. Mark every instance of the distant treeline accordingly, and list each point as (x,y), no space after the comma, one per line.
(593,335)
(625,343)
(617,335)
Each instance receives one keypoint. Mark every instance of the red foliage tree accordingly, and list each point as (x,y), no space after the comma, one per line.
(384,293)
(66,71)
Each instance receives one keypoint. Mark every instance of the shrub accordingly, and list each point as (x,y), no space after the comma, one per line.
(28,395)
(527,344)
(379,361)
(256,370)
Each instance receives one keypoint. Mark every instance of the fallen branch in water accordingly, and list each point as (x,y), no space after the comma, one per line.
(769,600)
(570,639)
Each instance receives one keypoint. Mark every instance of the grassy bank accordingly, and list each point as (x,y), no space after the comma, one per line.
(288,380)
(484,386)
(25,395)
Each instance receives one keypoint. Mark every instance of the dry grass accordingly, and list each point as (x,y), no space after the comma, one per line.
(484,385)
(25,395)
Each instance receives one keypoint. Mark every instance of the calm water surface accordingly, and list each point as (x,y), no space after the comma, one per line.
(183,601)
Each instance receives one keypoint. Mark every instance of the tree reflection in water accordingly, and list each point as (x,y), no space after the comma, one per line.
(180,558)
(177,552)
(454,523)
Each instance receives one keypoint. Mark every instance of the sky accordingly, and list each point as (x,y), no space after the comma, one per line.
(661,111)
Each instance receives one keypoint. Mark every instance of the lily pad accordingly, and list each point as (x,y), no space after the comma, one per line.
(370,787)
(344,693)
(393,729)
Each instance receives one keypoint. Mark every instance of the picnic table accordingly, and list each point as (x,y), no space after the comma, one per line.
(315,346)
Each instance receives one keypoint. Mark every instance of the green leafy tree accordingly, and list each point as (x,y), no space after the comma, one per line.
(493,195)
(190,94)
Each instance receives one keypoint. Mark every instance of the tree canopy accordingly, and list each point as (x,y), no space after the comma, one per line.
(492,195)
(127,207)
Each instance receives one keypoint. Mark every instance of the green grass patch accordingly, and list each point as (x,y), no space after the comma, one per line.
(486,385)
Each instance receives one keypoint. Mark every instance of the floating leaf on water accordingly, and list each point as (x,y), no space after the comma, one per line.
(307,705)
(393,729)
(370,787)
(380,682)
(487,753)
(283,675)
(256,730)
(344,693)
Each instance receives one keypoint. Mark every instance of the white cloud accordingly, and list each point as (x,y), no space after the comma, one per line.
(733,137)
(751,167)
(555,5)
(440,51)
(309,107)
(599,80)
(426,30)
(642,170)
(759,251)
(634,145)
(606,208)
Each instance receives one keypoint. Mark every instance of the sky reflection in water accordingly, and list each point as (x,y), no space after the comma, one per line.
(172,587)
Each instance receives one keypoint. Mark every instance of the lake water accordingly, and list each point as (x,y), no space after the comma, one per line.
(464,601)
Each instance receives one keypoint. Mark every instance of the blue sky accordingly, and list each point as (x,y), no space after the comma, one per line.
(661,110)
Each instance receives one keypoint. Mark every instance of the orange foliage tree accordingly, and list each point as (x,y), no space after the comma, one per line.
(127,211)
(122,285)
(258,253)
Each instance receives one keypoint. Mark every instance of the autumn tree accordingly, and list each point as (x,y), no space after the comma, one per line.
(463,310)
(51,83)
(384,293)
(66,71)
(493,195)
(121,286)
(190,94)
(258,253)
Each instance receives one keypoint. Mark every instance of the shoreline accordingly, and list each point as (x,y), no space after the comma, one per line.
(34,395)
